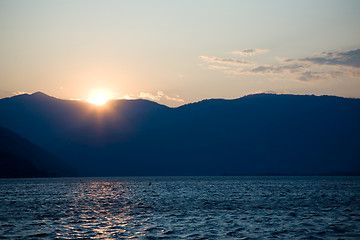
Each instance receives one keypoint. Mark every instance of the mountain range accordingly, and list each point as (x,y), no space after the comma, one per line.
(260,134)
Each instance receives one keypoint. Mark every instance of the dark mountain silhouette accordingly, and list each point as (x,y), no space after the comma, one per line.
(21,158)
(256,134)
(50,122)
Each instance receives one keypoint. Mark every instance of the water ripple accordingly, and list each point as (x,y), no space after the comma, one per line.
(181,208)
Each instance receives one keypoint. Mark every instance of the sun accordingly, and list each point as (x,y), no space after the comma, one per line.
(99,97)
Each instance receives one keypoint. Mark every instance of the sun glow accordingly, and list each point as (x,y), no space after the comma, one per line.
(99,97)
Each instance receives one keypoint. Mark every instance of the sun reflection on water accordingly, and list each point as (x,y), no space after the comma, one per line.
(182,208)
(103,210)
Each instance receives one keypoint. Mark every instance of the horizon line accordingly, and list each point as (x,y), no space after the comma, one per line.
(154,101)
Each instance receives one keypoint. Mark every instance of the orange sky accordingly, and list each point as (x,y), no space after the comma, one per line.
(176,52)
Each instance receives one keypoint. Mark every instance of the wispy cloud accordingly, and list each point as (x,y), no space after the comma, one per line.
(326,65)
(217,67)
(295,71)
(226,61)
(160,95)
(348,58)
(270,69)
(157,97)
(149,96)
(250,52)
(19,93)
(314,75)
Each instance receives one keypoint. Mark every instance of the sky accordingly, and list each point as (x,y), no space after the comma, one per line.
(177,52)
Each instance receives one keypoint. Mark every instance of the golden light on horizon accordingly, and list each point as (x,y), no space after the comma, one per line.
(99,97)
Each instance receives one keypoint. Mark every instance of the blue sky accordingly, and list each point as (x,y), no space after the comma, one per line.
(177,52)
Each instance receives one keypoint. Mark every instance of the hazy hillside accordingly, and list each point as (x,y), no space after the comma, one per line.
(21,158)
(51,122)
(256,134)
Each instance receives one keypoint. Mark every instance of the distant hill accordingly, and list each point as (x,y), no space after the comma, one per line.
(256,134)
(21,158)
(50,122)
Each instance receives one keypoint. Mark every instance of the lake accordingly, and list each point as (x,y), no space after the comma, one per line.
(181,208)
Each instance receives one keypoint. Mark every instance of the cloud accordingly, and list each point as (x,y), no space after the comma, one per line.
(348,58)
(149,96)
(326,65)
(159,96)
(272,69)
(19,93)
(226,61)
(313,75)
(217,67)
(298,72)
(310,76)
(129,97)
(250,52)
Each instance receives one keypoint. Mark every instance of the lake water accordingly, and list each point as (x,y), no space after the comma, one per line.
(181,208)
